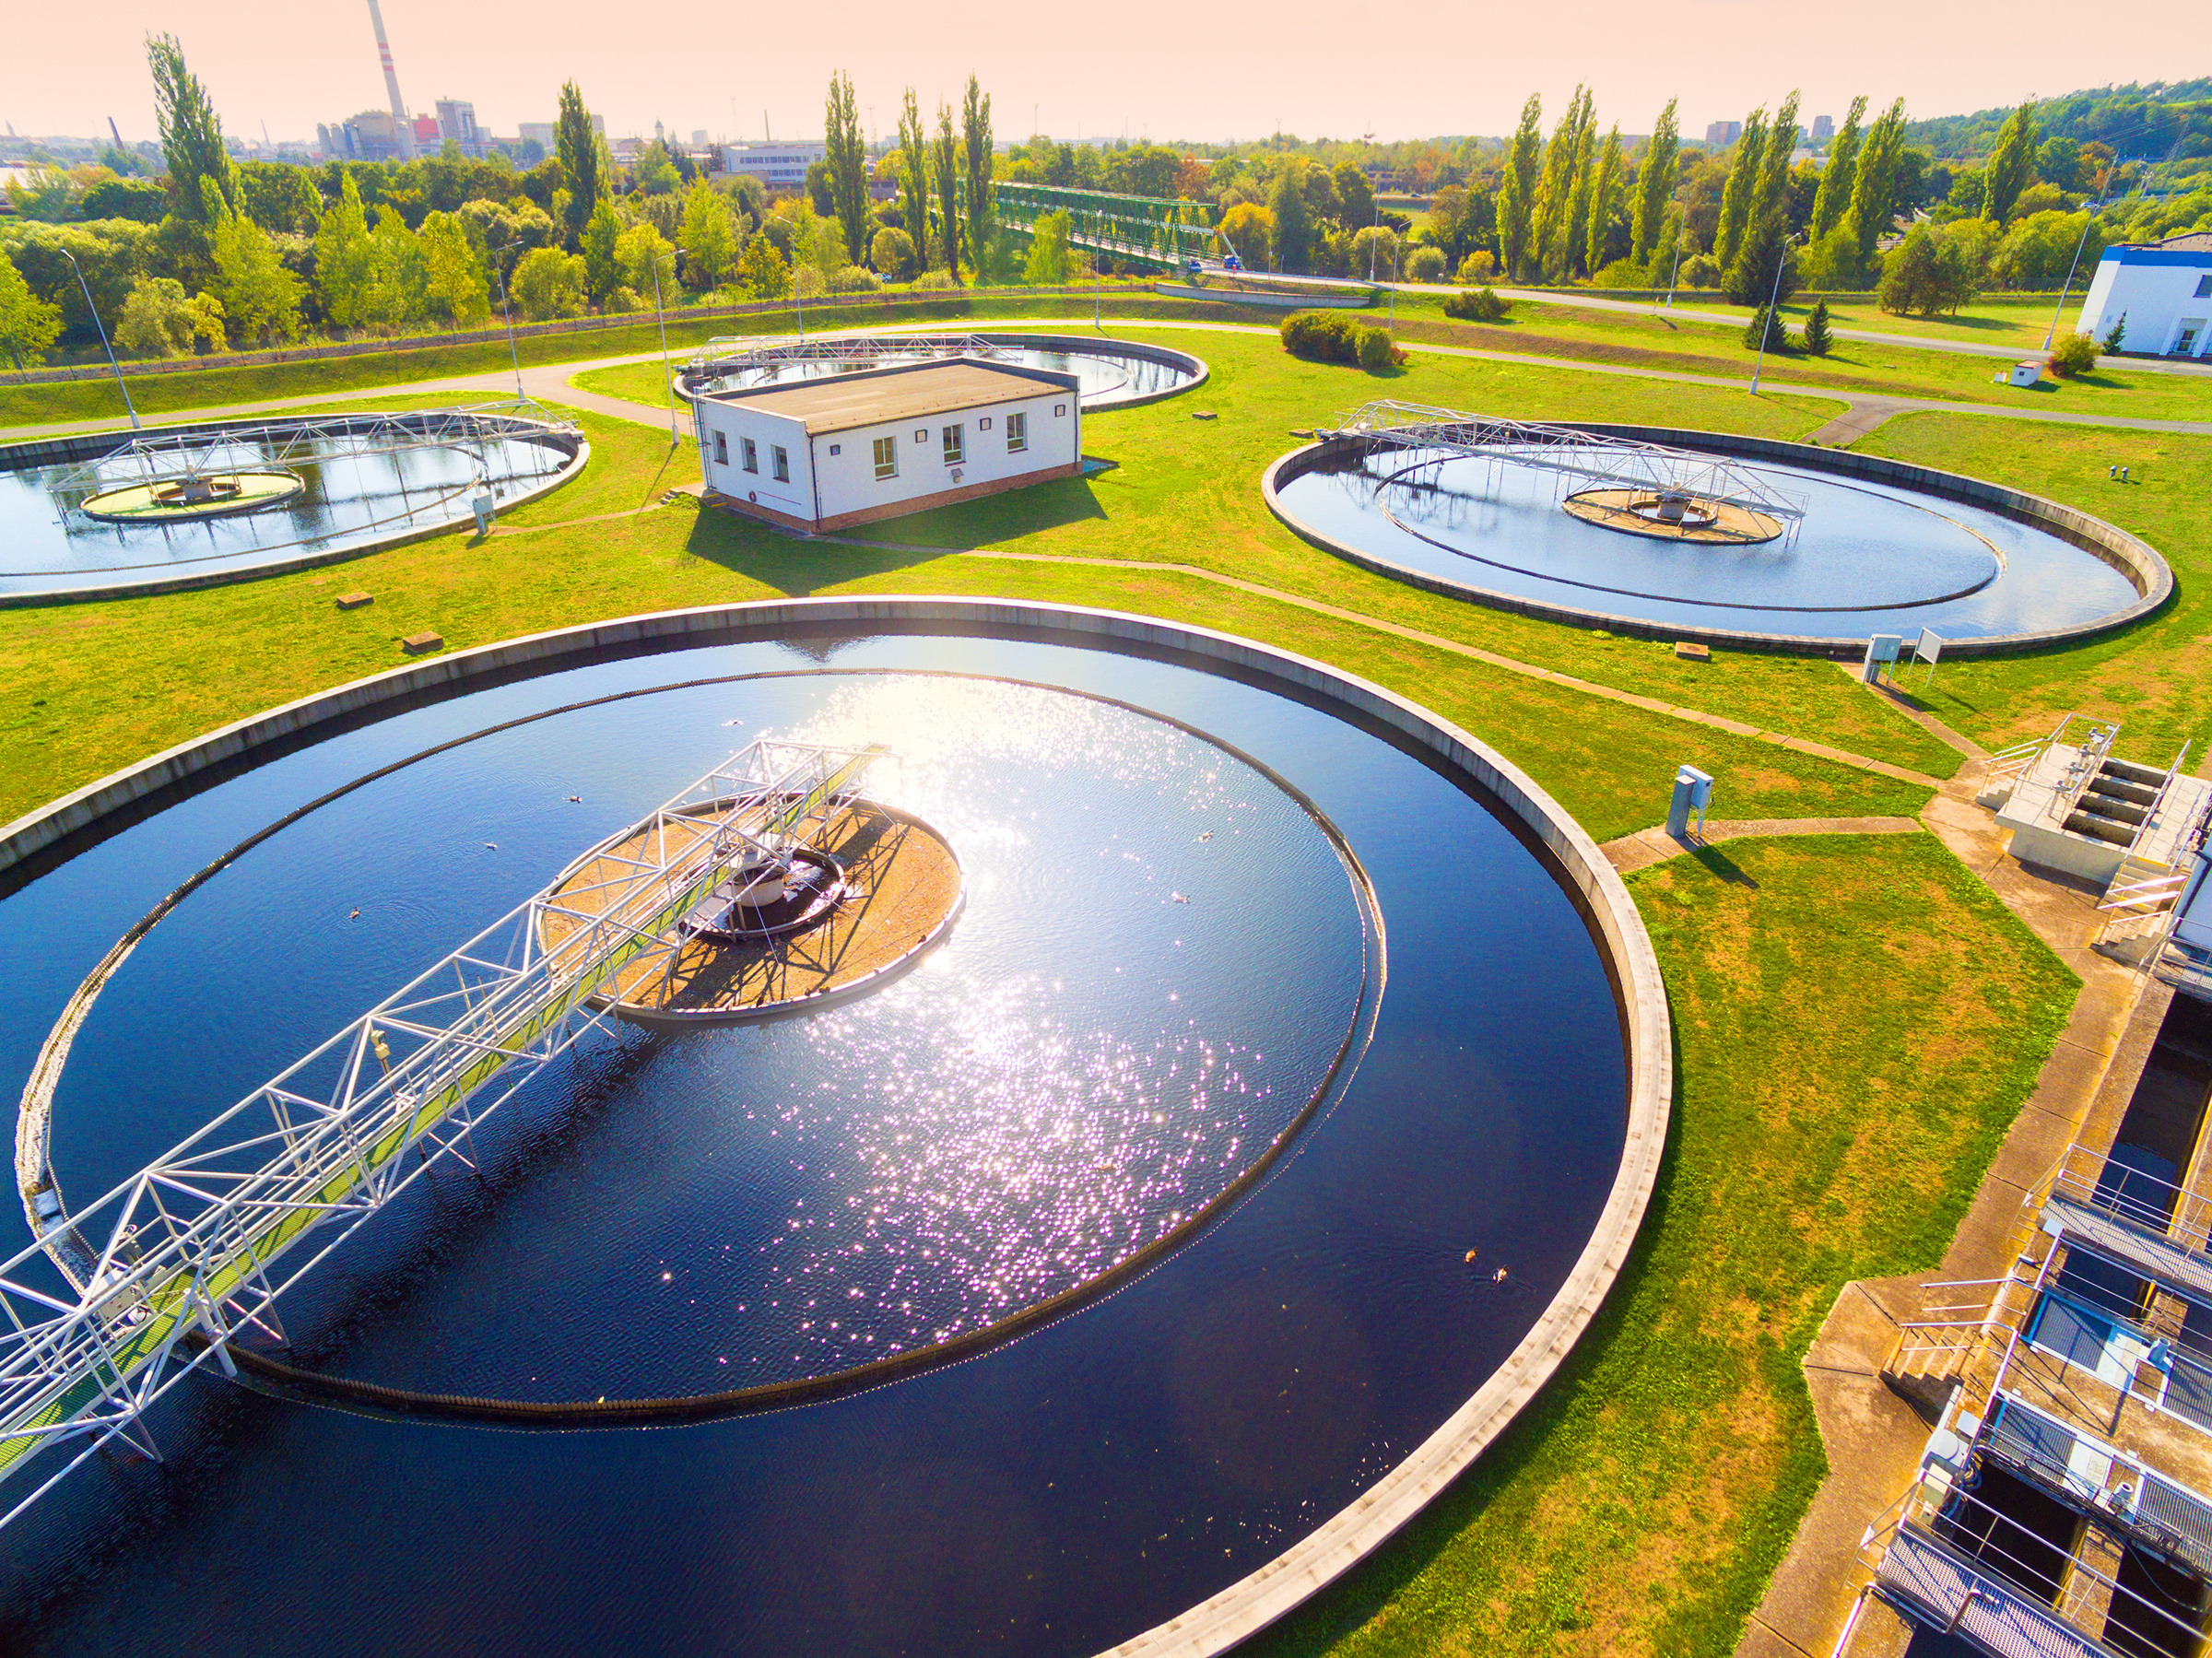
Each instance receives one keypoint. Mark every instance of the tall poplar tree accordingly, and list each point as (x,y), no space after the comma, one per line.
(1834,196)
(1655,184)
(577,147)
(2011,165)
(192,136)
(1517,187)
(847,154)
(975,155)
(1555,192)
(1742,188)
(1873,190)
(1774,166)
(914,146)
(945,156)
(1568,253)
(1605,196)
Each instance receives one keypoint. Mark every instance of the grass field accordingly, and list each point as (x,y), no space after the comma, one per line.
(1825,1127)
(1823,1132)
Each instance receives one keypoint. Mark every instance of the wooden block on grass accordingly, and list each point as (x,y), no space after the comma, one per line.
(1687,652)
(354,601)
(415,644)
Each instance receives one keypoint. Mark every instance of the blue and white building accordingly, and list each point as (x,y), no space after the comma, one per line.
(2164,291)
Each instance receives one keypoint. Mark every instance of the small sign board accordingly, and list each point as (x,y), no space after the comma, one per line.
(1928,647)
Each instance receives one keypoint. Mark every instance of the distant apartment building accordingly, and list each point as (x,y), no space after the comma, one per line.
(457,123)
(539,133)
(699,137)
(1823,128)
(1722,133)
(779,163)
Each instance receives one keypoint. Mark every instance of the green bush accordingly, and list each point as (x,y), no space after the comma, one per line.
(934,280)
(1765,331)
(2074,354)
(1476,305)
(1332,336)
(1425,264)
(855,279)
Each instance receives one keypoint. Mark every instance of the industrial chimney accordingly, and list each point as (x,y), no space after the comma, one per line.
(405,128)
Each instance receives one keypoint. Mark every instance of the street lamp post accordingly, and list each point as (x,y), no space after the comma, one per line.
(2051,332)
(507,316)
(1773,299)
(667,374)
(1681,225)
(97,324)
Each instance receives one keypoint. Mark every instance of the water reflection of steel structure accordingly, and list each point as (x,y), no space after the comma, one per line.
(173,1264)
(1693,485)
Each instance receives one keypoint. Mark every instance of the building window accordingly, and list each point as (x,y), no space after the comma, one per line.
(887,457)
(721,450)
(837,449)
(984,424)
(1059,410)
(752,455)
(1018,433)
(783,463)
(920,438)
(2203,289)
(956,445)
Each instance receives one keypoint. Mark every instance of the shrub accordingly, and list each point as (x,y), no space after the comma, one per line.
(855,279)
(1477,266)
(1621,272)
(2118,333)
(1818,338)
(1700,270)
(935,279)
(1425,264)
(622,300)
(1476,305)
(808,283)
(2074,354)
(549,284)
(893,252)
(1331,336)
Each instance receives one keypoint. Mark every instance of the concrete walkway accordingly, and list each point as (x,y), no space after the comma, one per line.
(1654,845)
(1918,342)
(554,383)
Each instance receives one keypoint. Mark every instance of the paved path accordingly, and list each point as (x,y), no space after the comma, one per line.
(1919,342)
(1654,845)
(553,382)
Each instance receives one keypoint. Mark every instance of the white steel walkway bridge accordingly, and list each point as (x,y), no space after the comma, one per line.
(1597,459)
(115,1305)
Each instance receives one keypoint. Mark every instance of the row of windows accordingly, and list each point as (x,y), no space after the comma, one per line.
(953,443)
(953,438)
(778,461)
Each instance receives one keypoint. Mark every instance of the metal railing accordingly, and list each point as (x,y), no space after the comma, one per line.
(114,1305)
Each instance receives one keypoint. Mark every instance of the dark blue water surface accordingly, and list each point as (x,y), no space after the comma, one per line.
(1864,559)
(47,545)
(1161,955)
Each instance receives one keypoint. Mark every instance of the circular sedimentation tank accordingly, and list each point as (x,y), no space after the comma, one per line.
(1815,551)
(1270,1087)
(1112,373)
(114,513)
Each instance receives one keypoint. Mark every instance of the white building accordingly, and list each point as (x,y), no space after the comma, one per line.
(457,123)
(781,164)
(2162,289)
(822,454)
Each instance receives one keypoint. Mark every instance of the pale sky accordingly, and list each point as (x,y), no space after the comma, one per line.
(1168,69)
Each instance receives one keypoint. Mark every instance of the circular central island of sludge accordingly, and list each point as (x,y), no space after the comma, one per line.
(1260,1011)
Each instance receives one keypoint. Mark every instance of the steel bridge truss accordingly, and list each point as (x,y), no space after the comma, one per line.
(200,451)
(160,1276)
(1600,459)
(1142,230)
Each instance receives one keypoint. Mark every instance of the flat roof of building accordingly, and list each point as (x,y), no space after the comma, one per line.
(905,392)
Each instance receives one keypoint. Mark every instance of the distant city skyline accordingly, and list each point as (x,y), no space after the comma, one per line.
(1152,70)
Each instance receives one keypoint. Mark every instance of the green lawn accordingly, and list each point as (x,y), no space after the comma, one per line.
(1824,1131)
(2157,676)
